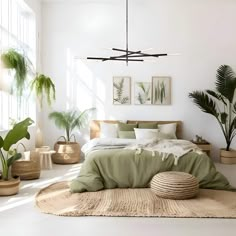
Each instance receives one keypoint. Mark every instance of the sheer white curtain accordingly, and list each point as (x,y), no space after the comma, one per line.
(18,31)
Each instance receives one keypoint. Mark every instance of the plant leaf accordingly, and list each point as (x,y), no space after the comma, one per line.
(226,82)
(1,142)
(223,117)
(204,102)
(18,132)
(12,159)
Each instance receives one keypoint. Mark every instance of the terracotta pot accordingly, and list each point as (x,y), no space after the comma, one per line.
(27,170)
(9,187)
(228,157)
(66,153)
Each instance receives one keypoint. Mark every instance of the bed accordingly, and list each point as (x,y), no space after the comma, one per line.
(132,163)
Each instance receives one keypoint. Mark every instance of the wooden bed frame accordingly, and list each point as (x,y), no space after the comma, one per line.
(95,126)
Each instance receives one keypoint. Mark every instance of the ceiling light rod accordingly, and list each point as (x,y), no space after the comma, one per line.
(129,55)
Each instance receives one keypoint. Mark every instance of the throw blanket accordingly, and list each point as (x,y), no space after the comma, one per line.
(125,168)
(167,148)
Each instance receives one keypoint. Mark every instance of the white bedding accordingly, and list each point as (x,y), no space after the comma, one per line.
(165,147)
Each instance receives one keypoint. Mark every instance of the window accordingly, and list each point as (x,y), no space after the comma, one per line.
(18,31)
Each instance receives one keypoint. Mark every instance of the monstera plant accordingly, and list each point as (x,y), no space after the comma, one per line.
(67,151)
(221,104)
(9,155)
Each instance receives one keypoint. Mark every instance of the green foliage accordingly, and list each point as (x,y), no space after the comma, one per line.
(14,60)
(160,92)
(220,103)
(119,92)
(18,132)
(69,120)
(144,95)
(43,85)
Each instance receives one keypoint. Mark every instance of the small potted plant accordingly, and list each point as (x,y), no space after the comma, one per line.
(8,155)
(67,151)
(222,105)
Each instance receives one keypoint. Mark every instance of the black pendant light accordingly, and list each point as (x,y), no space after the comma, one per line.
(128,55)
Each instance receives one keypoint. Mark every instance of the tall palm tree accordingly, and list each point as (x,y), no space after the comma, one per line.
(69,120)
(220,103)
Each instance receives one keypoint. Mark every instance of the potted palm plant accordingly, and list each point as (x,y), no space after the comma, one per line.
(222,105)
(68,151)
(8,155)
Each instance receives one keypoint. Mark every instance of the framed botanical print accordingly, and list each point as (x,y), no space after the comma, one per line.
(143,92)
(161,90)
(121,90)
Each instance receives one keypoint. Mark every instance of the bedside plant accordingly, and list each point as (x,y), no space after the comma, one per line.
(222,105)
(68,152)
(18,132)
(43,85)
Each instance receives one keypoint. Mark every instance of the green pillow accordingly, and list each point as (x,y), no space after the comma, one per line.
(150,125)
(126,134)
(126,127)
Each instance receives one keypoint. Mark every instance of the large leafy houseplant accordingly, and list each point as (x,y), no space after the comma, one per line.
(68,152)
(220,103)
(16,61)
(18,132)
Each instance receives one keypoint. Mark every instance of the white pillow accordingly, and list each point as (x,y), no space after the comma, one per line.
(145,133)
(168,129)
(108,130)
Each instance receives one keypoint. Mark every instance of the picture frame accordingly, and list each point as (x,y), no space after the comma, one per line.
(143,93)
(121,90)
(161,90)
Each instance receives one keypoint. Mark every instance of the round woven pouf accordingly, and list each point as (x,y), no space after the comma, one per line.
(175,185)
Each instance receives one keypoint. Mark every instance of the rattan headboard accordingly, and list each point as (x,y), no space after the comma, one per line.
(95,126)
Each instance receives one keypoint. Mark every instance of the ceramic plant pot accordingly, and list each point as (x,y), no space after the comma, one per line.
(66,153)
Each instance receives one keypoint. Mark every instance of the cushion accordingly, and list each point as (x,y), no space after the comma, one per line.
(150,125)
(126,127)
(174,185)
(126,134)
(108,130)
(146,133)
(169,129)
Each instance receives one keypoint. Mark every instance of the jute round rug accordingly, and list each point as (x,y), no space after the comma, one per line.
(56,199)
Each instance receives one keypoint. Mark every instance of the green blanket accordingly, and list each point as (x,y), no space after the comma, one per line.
(120,168)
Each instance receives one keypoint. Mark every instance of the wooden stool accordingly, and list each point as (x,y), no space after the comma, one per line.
(45,159)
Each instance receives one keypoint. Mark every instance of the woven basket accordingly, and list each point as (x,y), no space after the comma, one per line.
(27,170)
(175,185)
(66,153)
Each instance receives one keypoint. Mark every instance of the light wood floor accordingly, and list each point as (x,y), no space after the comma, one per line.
(18,215)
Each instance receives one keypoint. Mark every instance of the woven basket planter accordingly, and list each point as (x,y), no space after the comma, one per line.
(228,157)
(66,153)
(27,170)
(9,187)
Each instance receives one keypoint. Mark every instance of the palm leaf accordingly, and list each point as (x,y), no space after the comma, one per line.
(204,102)
(226,82)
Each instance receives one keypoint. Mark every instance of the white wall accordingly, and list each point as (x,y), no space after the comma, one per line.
(201,30)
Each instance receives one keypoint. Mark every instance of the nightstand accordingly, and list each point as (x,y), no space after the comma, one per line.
(205,146)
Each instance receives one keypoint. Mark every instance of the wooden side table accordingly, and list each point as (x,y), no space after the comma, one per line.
(204,146)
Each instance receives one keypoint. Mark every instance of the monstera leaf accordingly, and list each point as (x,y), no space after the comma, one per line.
(18,132)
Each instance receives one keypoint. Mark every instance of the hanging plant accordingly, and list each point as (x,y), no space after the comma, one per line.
(14,60)
(43,85)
